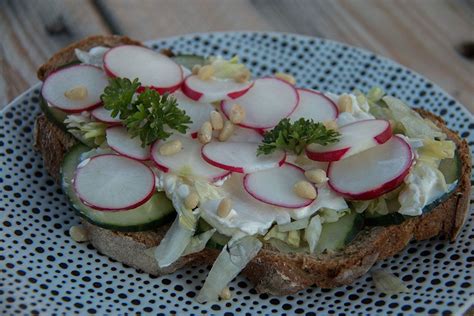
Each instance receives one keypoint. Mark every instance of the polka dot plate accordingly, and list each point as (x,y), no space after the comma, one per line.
(44,272)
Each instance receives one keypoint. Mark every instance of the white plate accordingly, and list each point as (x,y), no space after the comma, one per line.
(43,270)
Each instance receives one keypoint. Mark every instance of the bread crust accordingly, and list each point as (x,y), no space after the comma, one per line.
(271,271)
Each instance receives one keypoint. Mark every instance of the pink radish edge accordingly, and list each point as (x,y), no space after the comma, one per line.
(328,156)
(111,124)
(160,90)
(166,169)
(123,154)
(384,188)
(232,168)
(263,200)
(385,135)
(159,166)
(261,129)
(195,95)
(88,108)
(334,106)
(135,205)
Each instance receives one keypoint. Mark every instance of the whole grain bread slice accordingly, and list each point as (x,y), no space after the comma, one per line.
(271,271)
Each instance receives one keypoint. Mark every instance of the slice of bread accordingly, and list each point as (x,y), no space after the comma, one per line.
(270,271)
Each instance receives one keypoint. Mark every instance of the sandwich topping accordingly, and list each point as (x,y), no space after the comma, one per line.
(238,163)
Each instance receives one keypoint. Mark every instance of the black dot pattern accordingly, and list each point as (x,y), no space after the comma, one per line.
(42,271)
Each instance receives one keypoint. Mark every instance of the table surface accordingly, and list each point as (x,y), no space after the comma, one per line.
(433,37)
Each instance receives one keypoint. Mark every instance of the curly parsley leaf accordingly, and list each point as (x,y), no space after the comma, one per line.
(150,116)
(296,136)
(118,96)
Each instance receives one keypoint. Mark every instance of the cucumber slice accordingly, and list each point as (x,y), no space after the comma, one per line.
(384,220)
(53,114)
(451,169)
(155,212)
(188,61)
(336,235)
(217,241)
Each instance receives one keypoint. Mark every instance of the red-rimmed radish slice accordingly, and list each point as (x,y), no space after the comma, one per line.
(275,186)
(120,141)
(314,105)
(355,137)
(373,172)
(198,111)
(87,81)
(214,89)
(247,135)
(240,157)
(188,160)
(103,115)
(153,70)
(265,104)
(112,182)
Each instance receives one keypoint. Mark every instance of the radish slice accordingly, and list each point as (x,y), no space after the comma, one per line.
(355,137)
(103,115)
(112,182)
(120,140)
(269,101)
(240,157)
(198,111)
(213,90)
(62,81)
(373,172)
(314,105)
(275,186)
(153,69)
(188,160)
(245,135)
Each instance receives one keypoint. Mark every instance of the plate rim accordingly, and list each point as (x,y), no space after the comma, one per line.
(412,72)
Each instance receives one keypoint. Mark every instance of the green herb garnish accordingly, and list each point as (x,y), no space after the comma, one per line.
(150,116)
(296,136)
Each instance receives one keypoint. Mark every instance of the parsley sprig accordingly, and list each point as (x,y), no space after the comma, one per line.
(296,136)
(150,116)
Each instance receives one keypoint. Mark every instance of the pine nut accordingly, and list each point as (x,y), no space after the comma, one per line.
(305,190)
(224,207)
(206,72)
(317,176)
(77,93)
(191,201)
(195,69)
(205,133)
(227,131)
(286,77)
(345,103)
(225,294)
(78,234)
(237,114)
(217,121)
(242,76)
(330,124)
(171,147)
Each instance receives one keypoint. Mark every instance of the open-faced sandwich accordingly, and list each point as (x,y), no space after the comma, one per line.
(179,160)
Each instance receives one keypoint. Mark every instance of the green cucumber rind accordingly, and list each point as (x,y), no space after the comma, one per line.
(54,115)
(357,226)
(71,159)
